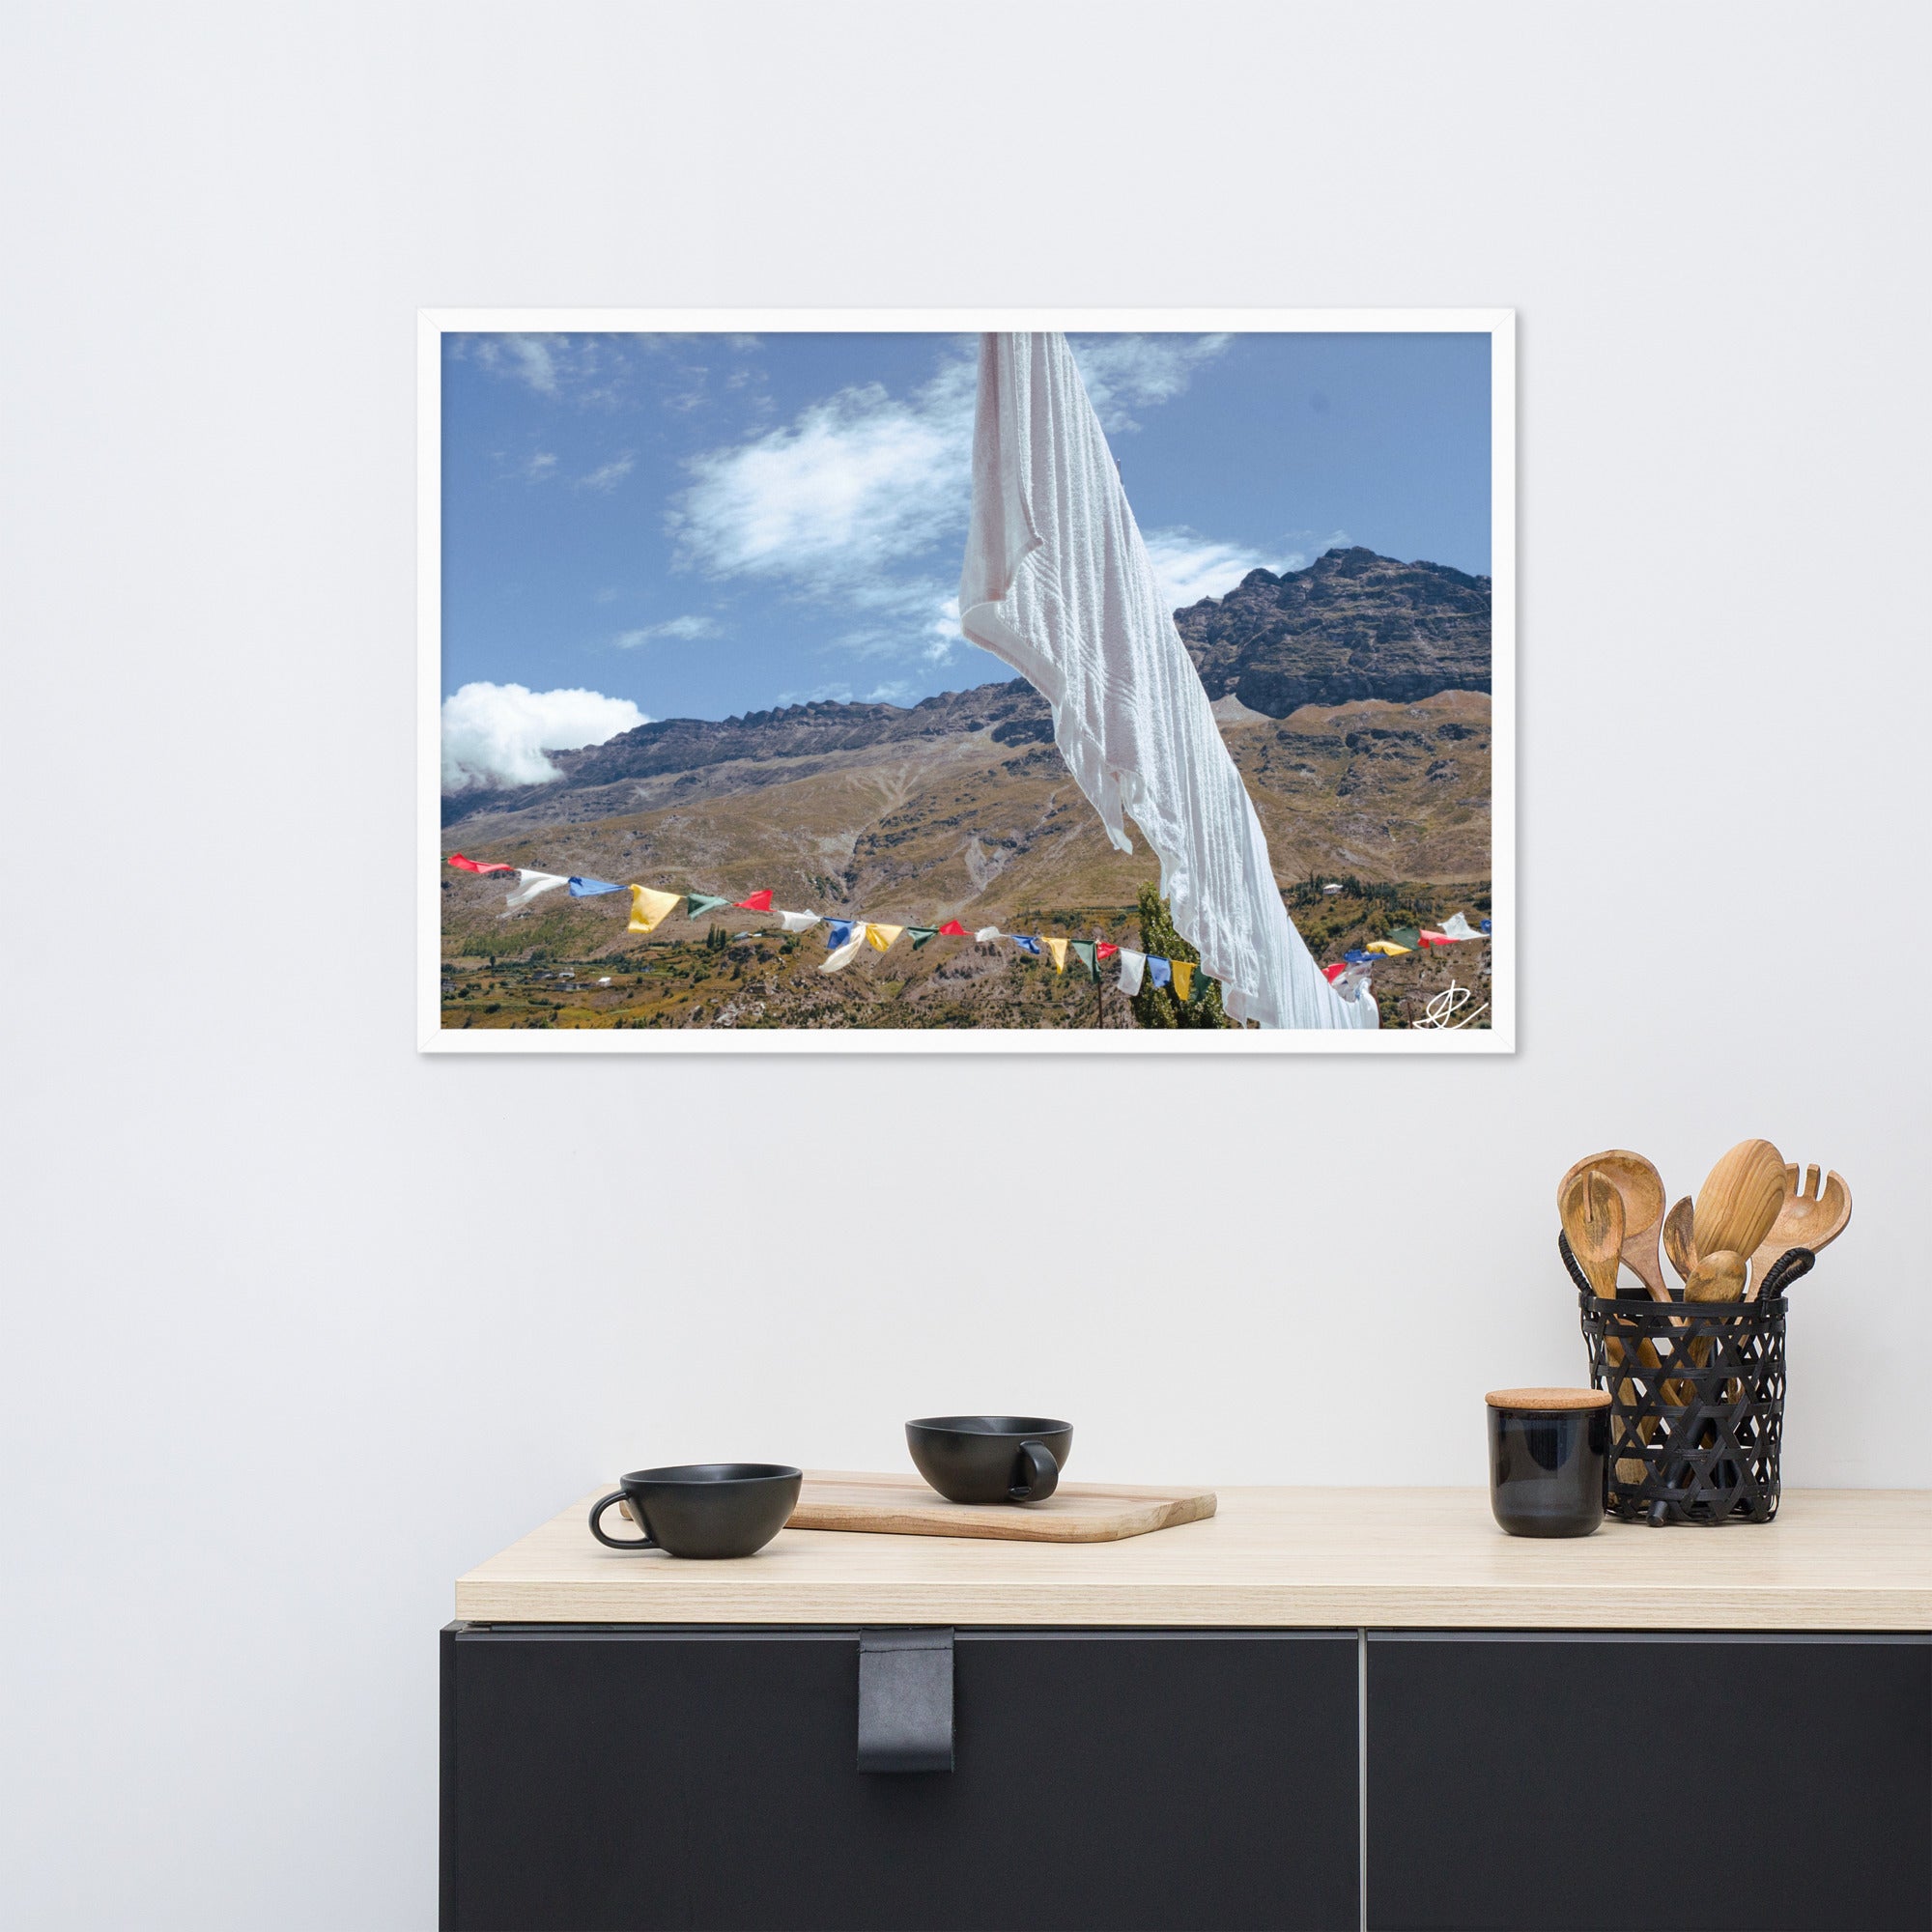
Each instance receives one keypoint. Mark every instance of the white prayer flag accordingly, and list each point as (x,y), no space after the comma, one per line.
(1058,583)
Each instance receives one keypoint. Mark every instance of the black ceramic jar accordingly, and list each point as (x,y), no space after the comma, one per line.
(1548,1458)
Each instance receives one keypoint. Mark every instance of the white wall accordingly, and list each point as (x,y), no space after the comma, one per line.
(301,1324)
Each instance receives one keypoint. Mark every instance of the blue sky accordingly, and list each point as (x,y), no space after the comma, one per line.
(648,526)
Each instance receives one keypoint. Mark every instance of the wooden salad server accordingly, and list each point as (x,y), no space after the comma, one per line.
(1592,1212)
(1809,1216)
(1641,1187)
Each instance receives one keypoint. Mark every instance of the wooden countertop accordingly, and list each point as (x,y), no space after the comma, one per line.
(1834,1559)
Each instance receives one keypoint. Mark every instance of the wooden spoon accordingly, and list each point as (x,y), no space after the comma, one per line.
(1680,1240)
(1716,1277)
(1641,1187)
(1739,1200)
(1809,1216)
(1593,1218)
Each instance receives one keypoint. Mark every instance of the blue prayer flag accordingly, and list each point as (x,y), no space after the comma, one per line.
(1159,970)
(1486,925)
(584,888)
(1359,957)
(839,932)
(1025,944)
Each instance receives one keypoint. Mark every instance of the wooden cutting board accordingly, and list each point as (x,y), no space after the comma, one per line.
(1076,1512)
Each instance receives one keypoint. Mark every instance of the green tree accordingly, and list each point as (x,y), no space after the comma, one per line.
(1156,1005)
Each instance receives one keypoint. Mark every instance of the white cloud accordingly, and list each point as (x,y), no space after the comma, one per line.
(1191,566)
(610,475)
(540,468)
(853,485)
(1127,371)
(497,734)
(682,628)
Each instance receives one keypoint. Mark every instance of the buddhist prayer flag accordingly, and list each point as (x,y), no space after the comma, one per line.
(848,939)
(1058,949)
(531,885)
(1457,926)
(757,902)
(1083,950)
(1132,964)
(920,934)
(1106,948)
(951,929)
(988,934)
(1408,937)
(1333,973)
(464,864)
(1025,944)
(1388,948)
(1159,970)
(587,888)
(799,922)
(697,905)
(882,936)
(1359,956)
(649,910)
(1184,979)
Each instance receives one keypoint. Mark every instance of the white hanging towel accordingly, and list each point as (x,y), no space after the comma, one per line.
(1058,583)
(1131,963)
(530,884)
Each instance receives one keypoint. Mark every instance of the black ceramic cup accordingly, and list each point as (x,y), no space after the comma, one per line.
(702,1509)
(991,1459)
(1548,1458)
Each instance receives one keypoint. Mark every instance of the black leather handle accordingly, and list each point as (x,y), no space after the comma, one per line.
(1793,1264)
(597,1509)
(1037,1474)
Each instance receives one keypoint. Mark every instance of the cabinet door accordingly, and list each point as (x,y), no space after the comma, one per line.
(603,1779)
(1622,1783)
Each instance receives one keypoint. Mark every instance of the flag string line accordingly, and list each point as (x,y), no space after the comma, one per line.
(651,906)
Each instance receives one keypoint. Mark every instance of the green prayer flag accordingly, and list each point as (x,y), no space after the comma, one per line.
(1409,936)
(1197,992)
(697,905)
(1083,950)
(920,934)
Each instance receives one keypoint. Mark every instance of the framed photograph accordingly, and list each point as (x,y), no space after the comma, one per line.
(1089,681)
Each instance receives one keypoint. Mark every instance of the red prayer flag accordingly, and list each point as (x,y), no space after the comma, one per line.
(1333,973)
(1437,939)
(464,864)
(952,929)
(1106,948)
(757,902)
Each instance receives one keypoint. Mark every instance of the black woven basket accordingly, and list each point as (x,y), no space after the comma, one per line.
(1696,1399)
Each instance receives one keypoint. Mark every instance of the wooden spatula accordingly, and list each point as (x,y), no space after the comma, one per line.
(1680,1240)
(1593,1217)
(1592,1221)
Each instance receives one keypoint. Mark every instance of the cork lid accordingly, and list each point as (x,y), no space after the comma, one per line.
(1547,1401)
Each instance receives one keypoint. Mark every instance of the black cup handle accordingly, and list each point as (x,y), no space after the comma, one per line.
(1041,1477)
(597,1509)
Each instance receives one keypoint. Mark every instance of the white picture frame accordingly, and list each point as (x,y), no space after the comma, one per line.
(1498,1037)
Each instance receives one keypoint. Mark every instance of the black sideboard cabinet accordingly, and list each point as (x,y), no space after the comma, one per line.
(601,1778)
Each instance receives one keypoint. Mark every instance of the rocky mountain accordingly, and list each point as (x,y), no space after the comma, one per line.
(1352,625)
(793,739)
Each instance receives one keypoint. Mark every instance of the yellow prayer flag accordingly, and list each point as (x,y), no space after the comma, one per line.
(1387,948)
(882,936)
(649,910)
(1184,978)
(1058,948)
